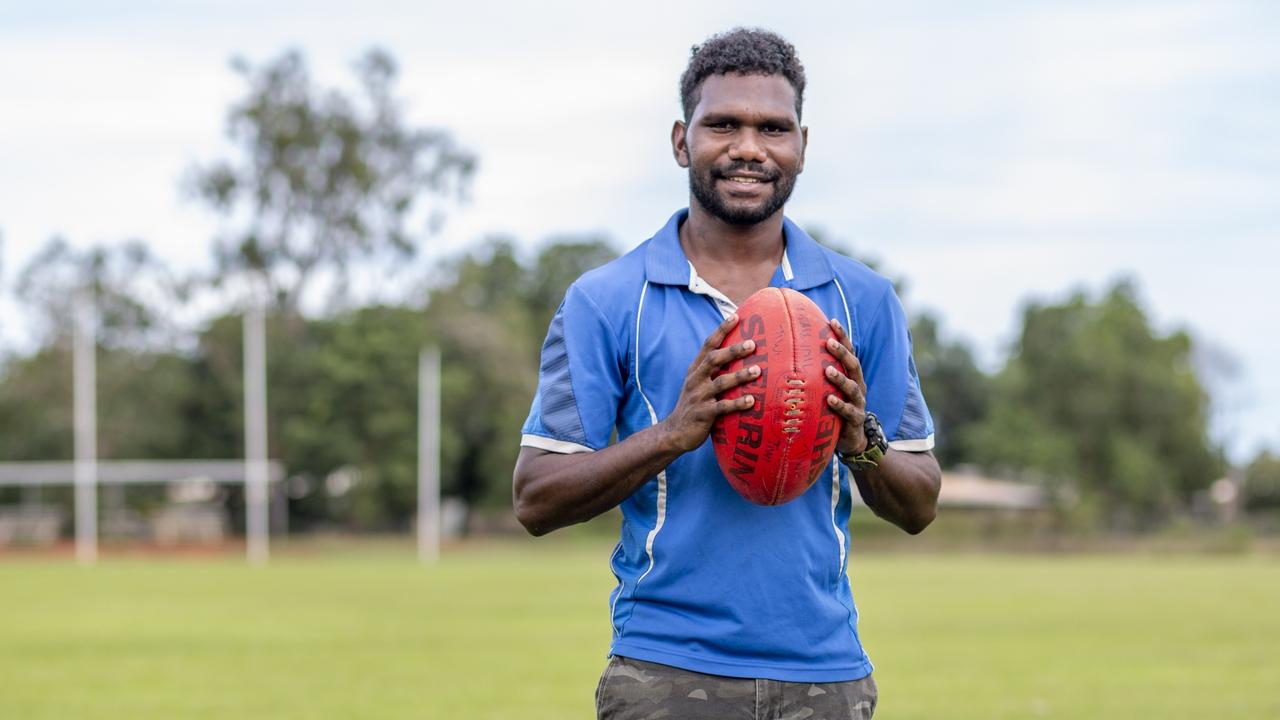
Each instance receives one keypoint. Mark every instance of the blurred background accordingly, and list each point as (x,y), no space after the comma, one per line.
(1079,201)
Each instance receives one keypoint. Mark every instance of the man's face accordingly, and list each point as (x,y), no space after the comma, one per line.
(743,146)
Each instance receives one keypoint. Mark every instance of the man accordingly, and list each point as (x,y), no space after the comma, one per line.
(724,608)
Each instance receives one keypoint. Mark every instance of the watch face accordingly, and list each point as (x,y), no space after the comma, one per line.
(875,436)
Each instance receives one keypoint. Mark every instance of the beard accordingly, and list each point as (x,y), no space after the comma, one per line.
(703,188)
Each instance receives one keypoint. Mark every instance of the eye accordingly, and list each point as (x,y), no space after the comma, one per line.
(772,130)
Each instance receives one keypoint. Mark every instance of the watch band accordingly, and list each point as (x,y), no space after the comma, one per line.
(868,458)
(877,446)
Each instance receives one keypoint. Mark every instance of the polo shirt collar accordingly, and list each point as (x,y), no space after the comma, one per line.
(665,262)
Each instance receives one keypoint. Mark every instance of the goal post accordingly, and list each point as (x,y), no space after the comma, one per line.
(84,384)
(429,454)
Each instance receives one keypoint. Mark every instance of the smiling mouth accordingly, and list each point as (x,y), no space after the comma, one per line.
(745,181)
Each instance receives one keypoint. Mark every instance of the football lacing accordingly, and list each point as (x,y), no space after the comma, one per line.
(794,397)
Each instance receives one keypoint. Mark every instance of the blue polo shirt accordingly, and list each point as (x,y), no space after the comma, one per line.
(707,581)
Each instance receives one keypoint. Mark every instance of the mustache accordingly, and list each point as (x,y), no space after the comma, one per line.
(745,167)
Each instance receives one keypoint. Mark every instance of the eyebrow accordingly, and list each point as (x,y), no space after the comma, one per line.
(715,118)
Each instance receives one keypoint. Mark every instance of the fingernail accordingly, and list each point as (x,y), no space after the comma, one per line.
(749,345)
(755,369)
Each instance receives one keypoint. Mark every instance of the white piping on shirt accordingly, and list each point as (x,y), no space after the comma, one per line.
(835,461)
(662,474)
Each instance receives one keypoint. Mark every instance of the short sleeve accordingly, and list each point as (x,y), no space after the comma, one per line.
(893,386)
(580,381)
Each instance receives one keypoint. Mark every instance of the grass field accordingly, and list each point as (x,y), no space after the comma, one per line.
(520,631)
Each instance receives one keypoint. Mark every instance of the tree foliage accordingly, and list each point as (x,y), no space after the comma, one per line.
(490,320)
(1094,398)
(142,383)
(955,389)
(957,392)
(1262,482)
(142,401)
(343,389)
(126,284)
(323,178)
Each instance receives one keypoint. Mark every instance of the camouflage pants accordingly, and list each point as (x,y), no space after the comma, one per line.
(636,690)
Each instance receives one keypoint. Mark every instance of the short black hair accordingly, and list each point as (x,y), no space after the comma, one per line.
(750,51)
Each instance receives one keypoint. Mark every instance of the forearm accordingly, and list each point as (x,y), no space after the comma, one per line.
(903,489)
(553,490)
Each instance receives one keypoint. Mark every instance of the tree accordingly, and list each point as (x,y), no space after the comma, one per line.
(560,261)
(956,391)
(320,180)
(1262,482)
(1094,398)
(142,383)
(344,388)
(490,314)
(125,282)
(323,179)
(481,319)
(351,406)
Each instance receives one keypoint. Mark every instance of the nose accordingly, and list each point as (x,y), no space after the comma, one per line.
(747,147)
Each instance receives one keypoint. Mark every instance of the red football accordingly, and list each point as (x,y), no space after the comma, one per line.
(773,451)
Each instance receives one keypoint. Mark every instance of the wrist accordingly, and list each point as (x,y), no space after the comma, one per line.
(667,440)
(859,446)
(874,446)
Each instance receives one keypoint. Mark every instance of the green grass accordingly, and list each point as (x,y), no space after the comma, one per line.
(520,631)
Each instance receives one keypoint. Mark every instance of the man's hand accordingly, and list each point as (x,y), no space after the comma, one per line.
(699,404)
(853,406)
(903,488)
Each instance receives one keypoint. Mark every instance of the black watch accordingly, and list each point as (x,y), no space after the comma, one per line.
(877,446)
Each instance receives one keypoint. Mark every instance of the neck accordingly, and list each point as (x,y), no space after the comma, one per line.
(706,237)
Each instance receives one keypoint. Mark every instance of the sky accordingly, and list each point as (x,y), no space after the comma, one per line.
(990,153)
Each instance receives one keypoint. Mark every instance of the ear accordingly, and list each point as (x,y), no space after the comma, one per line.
(804,145)
(680,143)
